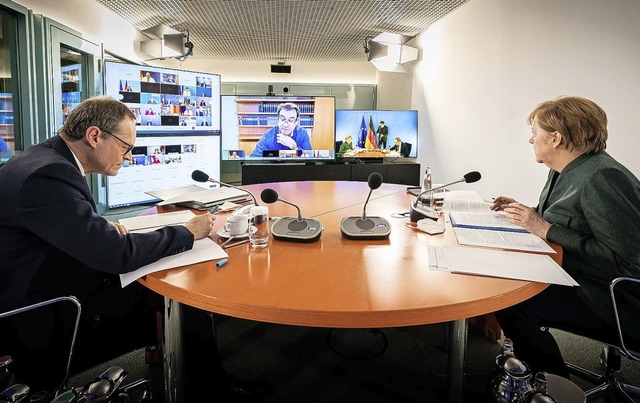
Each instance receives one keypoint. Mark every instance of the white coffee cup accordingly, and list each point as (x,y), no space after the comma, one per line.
(236,225)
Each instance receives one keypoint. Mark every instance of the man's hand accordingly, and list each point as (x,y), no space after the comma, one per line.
(286,141)
(201,226)
(120,228)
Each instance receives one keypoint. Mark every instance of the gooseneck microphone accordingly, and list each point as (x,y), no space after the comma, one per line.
(419,210)
(200,176)
(363,227)
(295,229)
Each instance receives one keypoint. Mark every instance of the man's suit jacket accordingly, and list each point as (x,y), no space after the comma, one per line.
(53,242)
(404,151)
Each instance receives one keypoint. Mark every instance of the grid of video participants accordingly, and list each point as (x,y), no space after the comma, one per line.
(161,154)
(160,99)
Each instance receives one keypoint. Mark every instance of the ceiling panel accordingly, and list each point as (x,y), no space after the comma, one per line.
(283,30)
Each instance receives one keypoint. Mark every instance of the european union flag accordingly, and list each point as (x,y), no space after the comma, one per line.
(363,133)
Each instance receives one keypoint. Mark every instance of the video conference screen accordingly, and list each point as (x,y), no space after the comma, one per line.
(162,162)
(166,100)
(402,124)
(253,130)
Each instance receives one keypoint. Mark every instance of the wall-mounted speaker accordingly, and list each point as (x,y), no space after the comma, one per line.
(280,68)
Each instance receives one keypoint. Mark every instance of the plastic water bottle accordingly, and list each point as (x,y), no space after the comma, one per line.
(426,180)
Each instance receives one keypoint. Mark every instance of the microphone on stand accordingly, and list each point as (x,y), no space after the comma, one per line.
(419,210)
(363,227)
(200,176)
(291,228)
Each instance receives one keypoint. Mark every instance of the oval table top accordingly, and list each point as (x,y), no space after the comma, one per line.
(339,282)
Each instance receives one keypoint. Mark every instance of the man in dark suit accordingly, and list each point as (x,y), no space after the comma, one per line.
(53,243)
(400,147)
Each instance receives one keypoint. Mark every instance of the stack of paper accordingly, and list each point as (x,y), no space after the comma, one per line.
(495,263)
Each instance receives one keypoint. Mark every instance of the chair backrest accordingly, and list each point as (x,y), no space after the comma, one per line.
(409,145)
(621,287)
(24,310)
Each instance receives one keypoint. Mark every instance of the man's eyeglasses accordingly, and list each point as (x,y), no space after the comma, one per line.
(290,120)
(129,146)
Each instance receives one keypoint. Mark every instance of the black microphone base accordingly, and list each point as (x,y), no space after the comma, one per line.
(292,230)
(369,228)
(419,211)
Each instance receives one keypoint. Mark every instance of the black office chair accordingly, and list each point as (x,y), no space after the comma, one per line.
(409,145)
(10,347)
(106,386)
(610,383)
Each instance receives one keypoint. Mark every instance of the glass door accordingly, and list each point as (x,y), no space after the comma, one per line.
(72,72)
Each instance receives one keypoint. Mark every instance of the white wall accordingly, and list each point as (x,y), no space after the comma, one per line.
(486,65)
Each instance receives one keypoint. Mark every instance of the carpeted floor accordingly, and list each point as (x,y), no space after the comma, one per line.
(343,365)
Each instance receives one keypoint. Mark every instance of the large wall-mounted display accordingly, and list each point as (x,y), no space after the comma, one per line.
(166,100)
(364,127)
(252,129)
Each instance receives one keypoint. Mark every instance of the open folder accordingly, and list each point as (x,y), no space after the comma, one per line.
(197,197)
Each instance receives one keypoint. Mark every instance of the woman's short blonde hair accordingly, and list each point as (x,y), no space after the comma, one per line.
(581,121)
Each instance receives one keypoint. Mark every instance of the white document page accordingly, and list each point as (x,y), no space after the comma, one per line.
(208,196)
(465,201)
(203,250)
(146,223)
(495,263)
(502,239)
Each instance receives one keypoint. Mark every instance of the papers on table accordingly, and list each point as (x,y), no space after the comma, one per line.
(198,195)
(502,239)
(465,201)
(145,223)
(489,220)
(475,224)
(203,249)
(495,263)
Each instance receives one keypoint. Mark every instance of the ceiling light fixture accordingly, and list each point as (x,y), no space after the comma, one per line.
(166,42)
(387,52)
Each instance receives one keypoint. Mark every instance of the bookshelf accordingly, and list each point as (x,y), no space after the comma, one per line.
(257,115)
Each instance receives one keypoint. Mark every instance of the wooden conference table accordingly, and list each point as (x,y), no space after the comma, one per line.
(336,282)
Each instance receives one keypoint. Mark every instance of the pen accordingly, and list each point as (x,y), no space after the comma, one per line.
(222,262)
(214,209)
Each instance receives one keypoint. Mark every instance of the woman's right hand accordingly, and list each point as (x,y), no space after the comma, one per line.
(500,202)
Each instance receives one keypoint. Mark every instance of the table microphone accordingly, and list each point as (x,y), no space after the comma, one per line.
(291,228)
(419,210)
(200,176)
(363,227)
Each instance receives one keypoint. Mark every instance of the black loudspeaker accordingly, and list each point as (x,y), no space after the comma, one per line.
(280,68)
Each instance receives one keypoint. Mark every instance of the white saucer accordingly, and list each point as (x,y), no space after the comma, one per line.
(223,233)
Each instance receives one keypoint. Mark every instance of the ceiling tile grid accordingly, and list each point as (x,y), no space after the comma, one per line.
(283,30)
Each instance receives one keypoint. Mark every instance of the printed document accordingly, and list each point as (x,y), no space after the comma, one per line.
(495,263)
(524,241)
(203,249)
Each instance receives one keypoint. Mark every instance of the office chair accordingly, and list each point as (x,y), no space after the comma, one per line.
(610,382)
(107,385)
(42,304)
(409,145)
